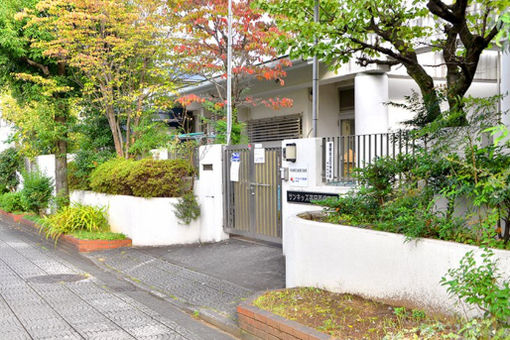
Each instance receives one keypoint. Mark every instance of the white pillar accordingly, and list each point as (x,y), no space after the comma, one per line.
(370,95)
(505,87)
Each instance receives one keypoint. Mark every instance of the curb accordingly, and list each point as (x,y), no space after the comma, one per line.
(65,241)
(256,323)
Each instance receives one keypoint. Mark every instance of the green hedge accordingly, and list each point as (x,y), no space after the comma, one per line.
(143,178)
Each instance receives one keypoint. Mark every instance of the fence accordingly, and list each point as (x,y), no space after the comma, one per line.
(343,154)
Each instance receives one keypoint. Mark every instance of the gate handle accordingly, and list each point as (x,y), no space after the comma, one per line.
(261,184)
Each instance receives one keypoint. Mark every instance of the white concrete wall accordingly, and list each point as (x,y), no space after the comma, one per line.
(5,132)
(152,221)
(209,192)
(147,221)
(374,264)
(46,165)
(309,156)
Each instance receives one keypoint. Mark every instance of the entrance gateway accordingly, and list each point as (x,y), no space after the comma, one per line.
(253,187)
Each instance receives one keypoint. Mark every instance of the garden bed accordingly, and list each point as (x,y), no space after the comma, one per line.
(68,241)
(378,265)
(311,313)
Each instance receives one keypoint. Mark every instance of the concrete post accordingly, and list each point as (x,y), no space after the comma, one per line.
(505,87)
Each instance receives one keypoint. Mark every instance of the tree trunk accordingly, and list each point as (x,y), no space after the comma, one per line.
(427,89)
(61,184)
(117,137)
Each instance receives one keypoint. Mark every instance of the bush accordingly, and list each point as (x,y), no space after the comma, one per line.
(111,177)
(11,202)
(36,193)
(187,209)
(75,218)
(143,178)
(10,164)
(153,178)
(481,285)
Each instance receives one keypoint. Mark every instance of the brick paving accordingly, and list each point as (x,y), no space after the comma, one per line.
(43,296)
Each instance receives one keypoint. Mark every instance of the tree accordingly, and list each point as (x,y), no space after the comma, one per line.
(393,32)
(40,85)
(122,50)
(204,51)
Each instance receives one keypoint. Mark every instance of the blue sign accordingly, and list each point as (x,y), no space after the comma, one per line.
(236,157)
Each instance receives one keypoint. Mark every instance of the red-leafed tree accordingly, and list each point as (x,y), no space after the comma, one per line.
(204,47)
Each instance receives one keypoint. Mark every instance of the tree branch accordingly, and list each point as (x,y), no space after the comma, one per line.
(45,70)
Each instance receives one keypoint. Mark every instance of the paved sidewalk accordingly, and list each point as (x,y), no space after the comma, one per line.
(210,279)
(44,296)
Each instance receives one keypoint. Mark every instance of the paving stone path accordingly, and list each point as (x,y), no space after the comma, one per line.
(211,279)
(197,291)
(42,296)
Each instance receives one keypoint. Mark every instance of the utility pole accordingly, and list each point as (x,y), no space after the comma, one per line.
(315,78)
(229,74)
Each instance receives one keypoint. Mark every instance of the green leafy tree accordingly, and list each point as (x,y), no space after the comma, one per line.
(41,86)
(395,32)
(123,51)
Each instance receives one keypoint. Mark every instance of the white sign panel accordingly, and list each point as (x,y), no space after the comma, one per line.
(235,162)
(298,176)
(259,154)
(329,161)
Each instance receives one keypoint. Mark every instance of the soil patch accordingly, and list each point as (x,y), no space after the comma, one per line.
(346,316)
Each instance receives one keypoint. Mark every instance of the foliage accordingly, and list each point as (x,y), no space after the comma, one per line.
(187,208)
(11,202)
(10,165)
(204,53)
(75,218)
(389,33)
(95,146)
(143,178)
(416,194)
(97,235)
(40,90)
(122,50)
(36,193)
(481,286)
(220,125)
(153,178)
(152,135)
(111,177)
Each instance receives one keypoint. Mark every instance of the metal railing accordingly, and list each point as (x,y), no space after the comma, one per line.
(343,154)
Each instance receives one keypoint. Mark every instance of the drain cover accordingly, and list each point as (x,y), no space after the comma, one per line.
(57,278)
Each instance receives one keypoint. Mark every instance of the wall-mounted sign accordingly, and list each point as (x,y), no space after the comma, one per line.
(298,176)
(235,162)
(329,161)
(259,154)
(304,197)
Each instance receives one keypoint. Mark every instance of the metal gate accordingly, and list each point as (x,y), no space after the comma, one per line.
(253,191)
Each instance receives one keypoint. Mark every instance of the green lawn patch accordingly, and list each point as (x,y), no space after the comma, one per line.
(97,235)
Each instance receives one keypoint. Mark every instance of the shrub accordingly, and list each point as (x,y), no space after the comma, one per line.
(482,286)
(111,177)
(153,178)
(75,218)
(10,164)
(143,178)
(11,202)
(187,209)
(36,193)
(75,180)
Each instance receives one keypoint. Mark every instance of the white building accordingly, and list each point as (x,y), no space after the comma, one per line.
(352,100)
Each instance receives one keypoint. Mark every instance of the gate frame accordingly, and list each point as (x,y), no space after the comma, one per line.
(228,198)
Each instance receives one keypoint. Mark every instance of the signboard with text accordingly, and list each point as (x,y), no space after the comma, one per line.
(305,197)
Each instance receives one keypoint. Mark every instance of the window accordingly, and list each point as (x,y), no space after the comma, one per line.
(346,97)
(275,129)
